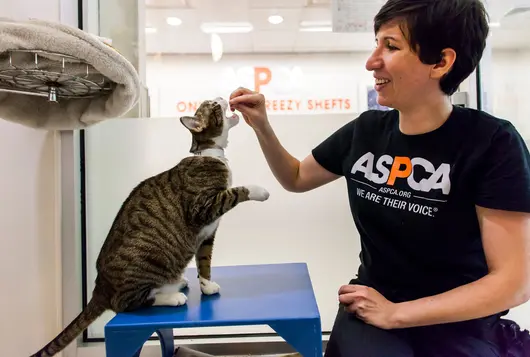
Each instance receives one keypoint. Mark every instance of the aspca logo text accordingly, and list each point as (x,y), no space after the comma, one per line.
(387,170)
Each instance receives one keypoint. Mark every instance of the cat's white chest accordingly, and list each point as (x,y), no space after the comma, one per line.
(207,231)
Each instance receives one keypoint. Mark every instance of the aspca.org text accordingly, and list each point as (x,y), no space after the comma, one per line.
(395,192)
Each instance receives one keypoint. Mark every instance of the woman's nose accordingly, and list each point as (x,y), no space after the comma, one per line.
(374,62)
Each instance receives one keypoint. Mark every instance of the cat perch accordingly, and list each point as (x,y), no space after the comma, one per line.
(57,77)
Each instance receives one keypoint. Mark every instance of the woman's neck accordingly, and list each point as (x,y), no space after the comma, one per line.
(425,117)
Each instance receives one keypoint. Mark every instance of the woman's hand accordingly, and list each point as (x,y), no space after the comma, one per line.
(368,305)
(252,107)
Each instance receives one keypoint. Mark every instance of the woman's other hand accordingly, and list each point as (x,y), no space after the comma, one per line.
(369,306)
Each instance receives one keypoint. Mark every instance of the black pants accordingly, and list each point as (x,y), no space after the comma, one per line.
(352,337)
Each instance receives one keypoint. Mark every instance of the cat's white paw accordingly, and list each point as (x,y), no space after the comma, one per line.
(178,299)
(173,299)
(209,287)
(257,193)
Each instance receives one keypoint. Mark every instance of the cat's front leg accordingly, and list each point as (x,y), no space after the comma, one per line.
(203,260)
(214,207)
(257,193)
(209,287)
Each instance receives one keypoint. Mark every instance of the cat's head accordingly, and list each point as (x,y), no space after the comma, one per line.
(209,125)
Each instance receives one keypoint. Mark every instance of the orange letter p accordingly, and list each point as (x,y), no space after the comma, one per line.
(396,170)
(258,80)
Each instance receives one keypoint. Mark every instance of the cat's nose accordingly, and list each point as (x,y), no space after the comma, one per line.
(222,102)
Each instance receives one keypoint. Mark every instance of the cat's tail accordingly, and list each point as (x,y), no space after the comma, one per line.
(93,310)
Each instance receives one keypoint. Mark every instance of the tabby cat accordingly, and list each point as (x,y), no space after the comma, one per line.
(165,221)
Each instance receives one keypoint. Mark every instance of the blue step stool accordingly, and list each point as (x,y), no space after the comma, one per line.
(278,295)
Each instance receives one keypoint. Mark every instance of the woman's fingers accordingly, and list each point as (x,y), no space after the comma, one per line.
(239,96)
(251,100)
(251,104)
(245,109)
(240,91)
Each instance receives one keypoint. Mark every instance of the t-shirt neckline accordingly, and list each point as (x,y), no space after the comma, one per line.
(448,123)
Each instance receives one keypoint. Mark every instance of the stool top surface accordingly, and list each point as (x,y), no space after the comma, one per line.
(249,295)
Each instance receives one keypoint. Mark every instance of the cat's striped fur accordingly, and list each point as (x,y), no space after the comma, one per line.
(165,221)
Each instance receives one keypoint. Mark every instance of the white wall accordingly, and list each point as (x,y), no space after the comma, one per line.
(30,280)
(29,258)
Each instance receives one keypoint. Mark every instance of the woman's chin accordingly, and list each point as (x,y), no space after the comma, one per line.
(385,102)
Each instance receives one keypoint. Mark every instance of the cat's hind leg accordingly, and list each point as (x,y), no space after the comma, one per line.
(170,299)
(170,294)
(203,260)
(184,282)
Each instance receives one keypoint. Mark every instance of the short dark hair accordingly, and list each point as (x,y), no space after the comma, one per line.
(432,25)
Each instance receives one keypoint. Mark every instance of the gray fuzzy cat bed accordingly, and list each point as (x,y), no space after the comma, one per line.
(57,77)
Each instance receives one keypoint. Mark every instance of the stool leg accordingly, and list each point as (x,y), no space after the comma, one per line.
(137,354)
(167,342)
(304,335)
(127,343)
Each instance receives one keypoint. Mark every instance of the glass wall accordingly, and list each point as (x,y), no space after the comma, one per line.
(188,51)
(315,81)
(506,72)
(505,77)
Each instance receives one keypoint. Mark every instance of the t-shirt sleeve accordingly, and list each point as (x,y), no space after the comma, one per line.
(504,175)
(330,154)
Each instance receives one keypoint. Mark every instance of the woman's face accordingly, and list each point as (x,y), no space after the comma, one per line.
(401,79)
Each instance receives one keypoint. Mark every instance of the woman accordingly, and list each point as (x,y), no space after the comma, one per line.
(440,194)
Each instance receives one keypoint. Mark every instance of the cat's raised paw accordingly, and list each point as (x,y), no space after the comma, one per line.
(209,287)
(257,193)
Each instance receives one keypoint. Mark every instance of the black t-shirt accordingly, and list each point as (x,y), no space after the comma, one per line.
(413,197)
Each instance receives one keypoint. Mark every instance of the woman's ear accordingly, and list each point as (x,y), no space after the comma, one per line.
(445,64)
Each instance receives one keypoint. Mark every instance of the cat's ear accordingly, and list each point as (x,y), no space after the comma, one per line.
(192,123)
